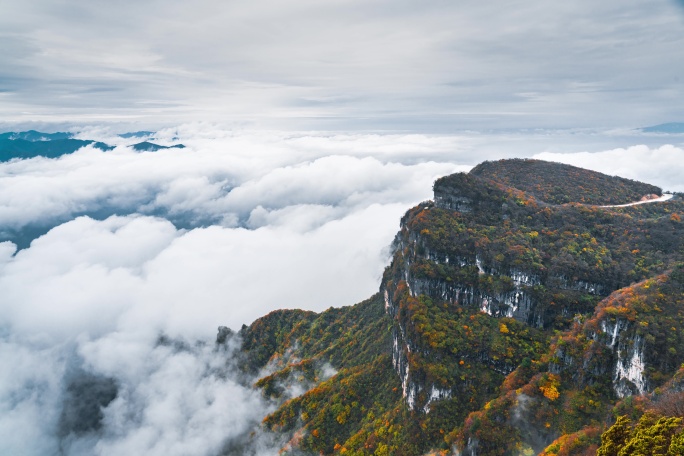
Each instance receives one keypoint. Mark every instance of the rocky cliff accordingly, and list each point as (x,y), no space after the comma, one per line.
(510,317)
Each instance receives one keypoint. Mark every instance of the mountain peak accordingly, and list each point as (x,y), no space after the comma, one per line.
(558,183)
(506,319)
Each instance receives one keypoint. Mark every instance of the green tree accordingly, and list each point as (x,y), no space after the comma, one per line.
(652,439)
(677,445)
(615,438)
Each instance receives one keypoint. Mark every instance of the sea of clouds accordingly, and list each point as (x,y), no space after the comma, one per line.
(118,267)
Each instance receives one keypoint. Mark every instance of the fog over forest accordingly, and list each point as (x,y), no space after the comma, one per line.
(309,129)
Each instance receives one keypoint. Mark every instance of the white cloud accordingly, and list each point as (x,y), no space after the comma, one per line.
(141,274)
(80,276)
(662,166)
(170,400)
(221,179)
(319,211)
(7,249)
(30,398)
(177,403)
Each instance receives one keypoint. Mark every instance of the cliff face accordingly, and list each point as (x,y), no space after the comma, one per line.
(482,246)
(633,340)
(508,319)
(625,358)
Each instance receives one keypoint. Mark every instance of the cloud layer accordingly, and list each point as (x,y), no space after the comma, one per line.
(143,255)
(221,181)
(173,398)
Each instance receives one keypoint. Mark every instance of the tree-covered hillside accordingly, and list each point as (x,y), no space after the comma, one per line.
(507,321)
(564,184)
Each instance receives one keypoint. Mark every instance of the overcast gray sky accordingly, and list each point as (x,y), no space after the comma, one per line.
(350,64)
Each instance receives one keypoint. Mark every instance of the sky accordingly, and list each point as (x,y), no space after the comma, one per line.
(435,65)
(310,128)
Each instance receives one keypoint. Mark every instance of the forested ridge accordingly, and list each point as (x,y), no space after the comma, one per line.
(516,317)
(564,184)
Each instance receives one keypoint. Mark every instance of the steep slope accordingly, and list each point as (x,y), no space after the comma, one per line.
(631,344)
(356,405)
(468,343)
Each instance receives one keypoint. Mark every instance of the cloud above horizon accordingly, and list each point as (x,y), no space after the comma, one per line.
(200,227)
(662,166)
(433,66)
(242,180)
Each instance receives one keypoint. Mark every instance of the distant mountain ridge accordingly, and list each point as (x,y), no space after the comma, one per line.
(137,134)
(672,127)
(33,135)
(31,144)
(147,146)
(510,321)
(22,149)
